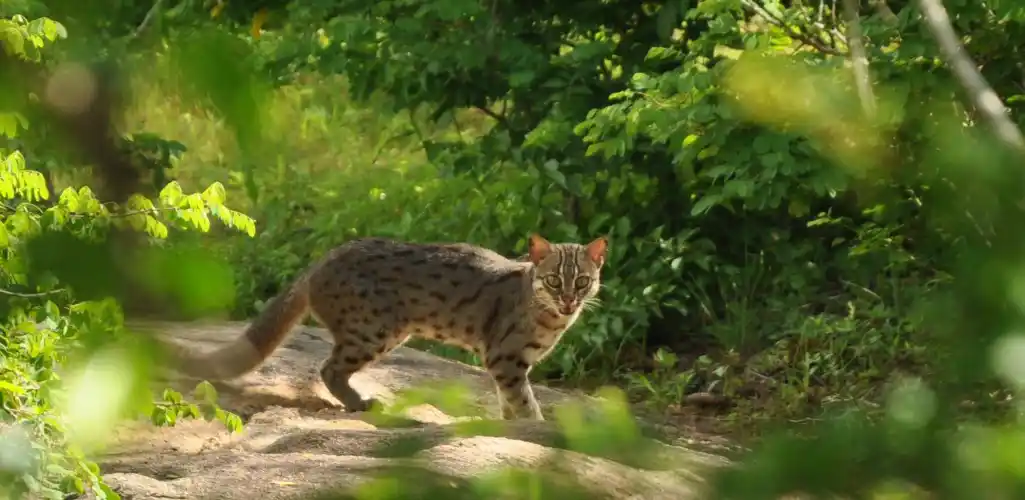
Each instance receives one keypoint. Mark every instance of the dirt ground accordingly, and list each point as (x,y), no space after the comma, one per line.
(297,440)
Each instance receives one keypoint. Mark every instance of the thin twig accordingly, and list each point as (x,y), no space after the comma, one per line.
(30,295)
(982,96)
(416,128)
(147,211)
(455,123)
(111,214)
(150,14)
(856,42)
(499,118)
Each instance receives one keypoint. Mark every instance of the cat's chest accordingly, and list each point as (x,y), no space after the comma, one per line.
(549,324)
(547,333)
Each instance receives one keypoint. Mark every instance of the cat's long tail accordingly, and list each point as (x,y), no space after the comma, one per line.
(249,350)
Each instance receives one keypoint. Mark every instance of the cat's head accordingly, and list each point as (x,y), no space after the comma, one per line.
(566,275)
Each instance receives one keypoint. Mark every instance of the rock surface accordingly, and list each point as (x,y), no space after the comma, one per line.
(296,440)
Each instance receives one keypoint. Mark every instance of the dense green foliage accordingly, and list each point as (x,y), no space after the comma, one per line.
(63,359)
(772,243)
(757,217)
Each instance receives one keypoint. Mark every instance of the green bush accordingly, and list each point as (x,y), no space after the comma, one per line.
(744,228)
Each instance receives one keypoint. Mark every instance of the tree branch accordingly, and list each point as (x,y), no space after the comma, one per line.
(819,45)
(856,42)
(83,101)
(496,116)
(885,12)
(30,295)
(982,96)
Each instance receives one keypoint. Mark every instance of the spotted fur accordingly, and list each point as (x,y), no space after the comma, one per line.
(373,294)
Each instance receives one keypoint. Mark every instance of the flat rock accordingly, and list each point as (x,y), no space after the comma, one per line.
(298,440)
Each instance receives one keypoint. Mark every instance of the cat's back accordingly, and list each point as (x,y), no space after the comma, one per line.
(377,256)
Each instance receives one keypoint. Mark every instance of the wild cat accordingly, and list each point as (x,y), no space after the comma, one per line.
(373,294)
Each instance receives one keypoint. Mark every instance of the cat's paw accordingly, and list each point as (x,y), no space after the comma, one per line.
(316,403)
(509,413)
(365,405)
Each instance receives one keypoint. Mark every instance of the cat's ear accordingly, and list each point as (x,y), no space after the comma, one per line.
(538,248)
(596,250)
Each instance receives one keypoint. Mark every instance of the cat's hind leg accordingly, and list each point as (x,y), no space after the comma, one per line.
(356,346)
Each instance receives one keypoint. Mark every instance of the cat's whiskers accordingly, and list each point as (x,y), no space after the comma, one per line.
(590,303)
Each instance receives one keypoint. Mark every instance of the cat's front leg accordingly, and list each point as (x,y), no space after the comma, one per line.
(514,391)
(519,403)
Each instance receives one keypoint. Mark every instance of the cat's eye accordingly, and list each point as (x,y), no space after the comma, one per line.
(553,281)
(582,282)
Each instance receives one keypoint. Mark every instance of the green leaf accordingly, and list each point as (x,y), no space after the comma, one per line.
(214,194)
(232,422)
(762,144)
(521,78)
(206,392)
(171,195)
(172,396)
(12,38)
(10,122)
(11,388)
(551,170)
(705,203)
(15,162)
(668,19)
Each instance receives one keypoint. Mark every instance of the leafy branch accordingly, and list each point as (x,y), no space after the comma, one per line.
(781,23)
